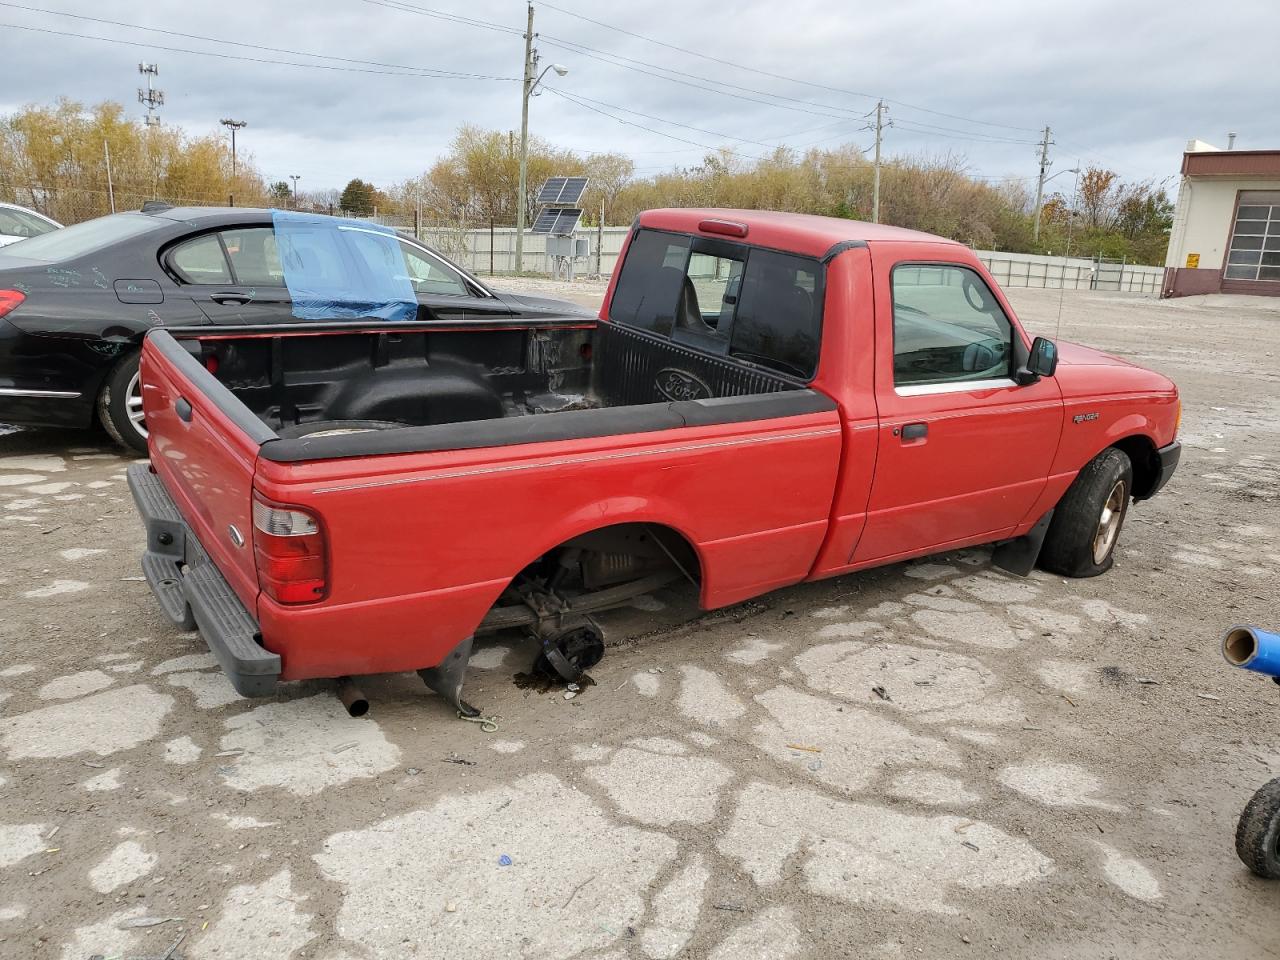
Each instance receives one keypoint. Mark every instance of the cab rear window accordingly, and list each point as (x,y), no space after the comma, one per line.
(724,298)
(91,236)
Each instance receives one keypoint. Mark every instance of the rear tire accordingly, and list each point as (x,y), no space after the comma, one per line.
(1086,524)
(1258,832)
(120,405)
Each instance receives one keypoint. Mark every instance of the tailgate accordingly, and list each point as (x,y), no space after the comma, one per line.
(204,445)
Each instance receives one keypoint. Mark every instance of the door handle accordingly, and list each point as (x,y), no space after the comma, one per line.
(225,298)
(182,406)
(915,431)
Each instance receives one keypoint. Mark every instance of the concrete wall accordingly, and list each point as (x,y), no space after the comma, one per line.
(477,250)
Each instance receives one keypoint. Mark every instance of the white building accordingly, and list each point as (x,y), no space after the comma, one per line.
(1226,227)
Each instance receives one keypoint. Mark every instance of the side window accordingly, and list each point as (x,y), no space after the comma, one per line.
(948,327)
(651,283)
(778,320)
(429,275)
(201,261)
(253,255)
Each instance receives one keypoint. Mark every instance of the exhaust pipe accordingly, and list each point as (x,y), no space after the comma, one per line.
(352,697)
(1252,649)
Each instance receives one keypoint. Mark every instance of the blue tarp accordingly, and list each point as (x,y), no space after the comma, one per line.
(339,269)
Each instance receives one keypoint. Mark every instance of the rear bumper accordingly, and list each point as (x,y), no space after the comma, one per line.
(194,594)
(1167,460)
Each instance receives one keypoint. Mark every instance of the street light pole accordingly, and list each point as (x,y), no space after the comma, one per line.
(295,178)
(528,86)
(233,126)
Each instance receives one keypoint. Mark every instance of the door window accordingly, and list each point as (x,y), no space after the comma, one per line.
(201,261)
(253,255)
(429,275)
(948,327)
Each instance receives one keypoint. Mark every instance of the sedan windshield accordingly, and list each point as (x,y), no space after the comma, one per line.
(88,237)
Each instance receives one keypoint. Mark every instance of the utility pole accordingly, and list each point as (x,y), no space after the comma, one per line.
(295,178)
(1044,170)
(881,110)
(526,87)
(600,237)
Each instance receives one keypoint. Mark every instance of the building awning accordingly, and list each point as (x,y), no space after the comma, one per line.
(1232,163)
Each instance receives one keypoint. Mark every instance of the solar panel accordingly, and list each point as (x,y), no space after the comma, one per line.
(559,222)
(550,192)
(562,190)
(572,191)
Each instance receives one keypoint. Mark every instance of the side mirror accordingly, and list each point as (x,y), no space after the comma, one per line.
(1042,362)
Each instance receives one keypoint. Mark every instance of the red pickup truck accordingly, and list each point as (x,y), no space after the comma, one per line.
(765,399)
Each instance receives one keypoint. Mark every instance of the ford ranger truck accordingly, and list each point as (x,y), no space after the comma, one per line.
(764,399)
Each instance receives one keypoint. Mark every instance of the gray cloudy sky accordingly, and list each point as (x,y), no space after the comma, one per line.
(1122,82)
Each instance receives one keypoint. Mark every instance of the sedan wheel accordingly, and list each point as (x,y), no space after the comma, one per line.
(120,405)
(133,404)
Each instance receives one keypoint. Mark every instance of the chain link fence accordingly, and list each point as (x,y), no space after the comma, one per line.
(490,248)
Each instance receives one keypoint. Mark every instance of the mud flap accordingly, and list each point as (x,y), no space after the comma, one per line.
(1018,556)
(446,677)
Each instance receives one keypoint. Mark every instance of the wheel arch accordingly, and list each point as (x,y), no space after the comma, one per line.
(1141,451)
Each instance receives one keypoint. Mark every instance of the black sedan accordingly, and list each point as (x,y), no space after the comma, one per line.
(75,303)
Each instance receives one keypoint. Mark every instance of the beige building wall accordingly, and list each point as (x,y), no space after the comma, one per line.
(1202,219)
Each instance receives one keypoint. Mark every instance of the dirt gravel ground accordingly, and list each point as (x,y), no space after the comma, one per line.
(1057,774)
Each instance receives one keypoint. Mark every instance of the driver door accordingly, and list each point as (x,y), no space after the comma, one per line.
(964,451)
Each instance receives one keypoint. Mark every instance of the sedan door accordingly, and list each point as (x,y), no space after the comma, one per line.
(234,276)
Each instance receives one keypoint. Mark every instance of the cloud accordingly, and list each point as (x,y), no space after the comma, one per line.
(1121,84)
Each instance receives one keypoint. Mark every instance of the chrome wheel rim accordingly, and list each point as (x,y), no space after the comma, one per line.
(1109,521)
(133,405)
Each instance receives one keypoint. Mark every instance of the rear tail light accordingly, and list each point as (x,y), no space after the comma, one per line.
(10,300)
(288,543)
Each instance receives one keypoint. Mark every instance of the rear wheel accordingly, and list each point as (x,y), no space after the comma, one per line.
(1086,524)
(1258,832)
(120,405)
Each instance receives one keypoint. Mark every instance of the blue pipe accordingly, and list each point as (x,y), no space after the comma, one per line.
(1252,649)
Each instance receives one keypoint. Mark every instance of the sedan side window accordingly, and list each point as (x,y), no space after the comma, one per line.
(253,255)
(948,327)
(429,275)
(201,261)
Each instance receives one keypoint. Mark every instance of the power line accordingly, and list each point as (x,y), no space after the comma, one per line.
(444,15)
(676,123)
(965,134)
(630,123)
(231,56)
(630,63)
(777,76)
(234,43)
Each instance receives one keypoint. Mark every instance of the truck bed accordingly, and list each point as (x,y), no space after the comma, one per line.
(403,388)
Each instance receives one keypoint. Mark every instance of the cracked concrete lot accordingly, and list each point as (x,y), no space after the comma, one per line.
(1056,772)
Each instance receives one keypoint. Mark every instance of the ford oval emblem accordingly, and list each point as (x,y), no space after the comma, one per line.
(679,385)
